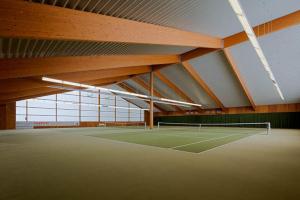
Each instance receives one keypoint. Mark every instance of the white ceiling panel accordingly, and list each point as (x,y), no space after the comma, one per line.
(217,73)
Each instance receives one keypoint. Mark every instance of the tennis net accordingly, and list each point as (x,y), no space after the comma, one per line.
(246,128)
(126,125)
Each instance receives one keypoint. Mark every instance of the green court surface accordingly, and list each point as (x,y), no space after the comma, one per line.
(183,139)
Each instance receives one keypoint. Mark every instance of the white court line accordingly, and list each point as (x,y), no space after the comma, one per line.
(226,144)
(202,141)
(175,135)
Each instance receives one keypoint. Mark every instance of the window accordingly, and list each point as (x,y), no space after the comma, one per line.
(78,106)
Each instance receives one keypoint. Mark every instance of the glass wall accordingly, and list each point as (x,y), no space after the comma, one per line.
(107,113)
(68,106)
(76,106)
(89,107)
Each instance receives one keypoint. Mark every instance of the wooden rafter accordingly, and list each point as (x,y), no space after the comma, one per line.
(151,92)
(238,76)
(36,92)
(13,85)
(278,24)
(129,89)
(19,68)
(107,73)
(31,20)
(171,85)
(142,83)
(194,74)
(196,53)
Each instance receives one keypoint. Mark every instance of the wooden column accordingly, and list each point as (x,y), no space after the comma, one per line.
(147,117)
(8,116)
(99,108)
(26,114)
(79,106)
(55,107)
(129,111)
(115,108)
(151,100)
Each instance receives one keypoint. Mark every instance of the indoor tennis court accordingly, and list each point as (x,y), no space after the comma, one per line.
(194,138)
(149,99)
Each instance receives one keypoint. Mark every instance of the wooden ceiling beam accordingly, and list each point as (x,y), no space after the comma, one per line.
(24,19)
(27,67)
(194,74)
(129,89)
(238,76)
(196,53)
(97,74)
(19,84)
(142,83)
(36,92)
(278,24)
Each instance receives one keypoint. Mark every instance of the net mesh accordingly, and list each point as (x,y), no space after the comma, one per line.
(120,125)
(245,128)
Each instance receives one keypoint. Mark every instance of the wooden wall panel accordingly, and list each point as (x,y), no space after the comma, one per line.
(8,116)
(239,110)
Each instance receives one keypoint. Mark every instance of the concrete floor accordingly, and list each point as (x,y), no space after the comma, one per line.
(68,164)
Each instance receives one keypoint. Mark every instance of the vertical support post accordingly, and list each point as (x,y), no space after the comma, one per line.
(56,108)
(8,116)
(26,114)
(79,106)
(129,111)
(151,100)
(269,128)
(140,115)
(99,108)
(115,108)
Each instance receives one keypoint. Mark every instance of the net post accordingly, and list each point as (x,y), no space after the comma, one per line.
(145,125)
(158,125)
(268,128)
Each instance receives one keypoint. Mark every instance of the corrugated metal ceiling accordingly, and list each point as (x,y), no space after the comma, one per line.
(212,17)
(27,48)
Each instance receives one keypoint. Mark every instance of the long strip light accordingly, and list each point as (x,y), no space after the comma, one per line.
(122,96)
(89,91)
(90,87)
(52,80)
(236,6)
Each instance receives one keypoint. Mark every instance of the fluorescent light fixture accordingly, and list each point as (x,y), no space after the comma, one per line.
(179,102)
(169,103)
(118,91)
(236,6)
(52,80)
